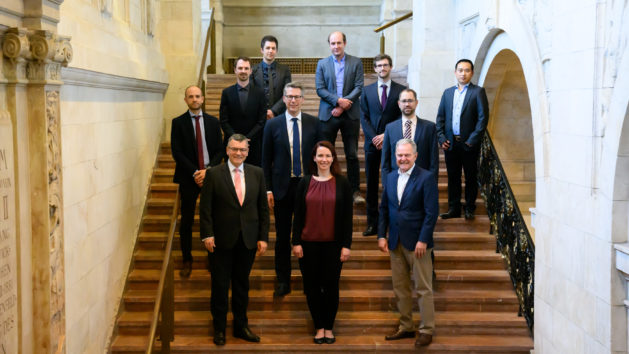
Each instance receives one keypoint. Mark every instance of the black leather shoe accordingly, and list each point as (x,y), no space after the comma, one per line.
(186,269)
(219,338)
(469,215)
(400,334)
(329,340)
(318,340)
(281,289)
(246,334)
(371,230)
(451,214)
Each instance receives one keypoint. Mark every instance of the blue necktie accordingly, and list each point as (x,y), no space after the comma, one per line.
(296,149)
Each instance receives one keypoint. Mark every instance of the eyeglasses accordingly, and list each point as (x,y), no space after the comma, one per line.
(290,98)
(380,66)
(407,101)
(238,149)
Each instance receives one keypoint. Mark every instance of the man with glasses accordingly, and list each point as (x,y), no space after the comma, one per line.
(271,76)
(378,106)
(287,143)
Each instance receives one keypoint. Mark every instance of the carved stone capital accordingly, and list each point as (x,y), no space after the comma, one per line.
(15,44)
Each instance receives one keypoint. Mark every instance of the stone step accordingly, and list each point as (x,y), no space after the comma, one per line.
(349,300)
(359,259)
(377,279)
(347,323)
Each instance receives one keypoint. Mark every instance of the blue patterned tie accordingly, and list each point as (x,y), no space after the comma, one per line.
(296,149)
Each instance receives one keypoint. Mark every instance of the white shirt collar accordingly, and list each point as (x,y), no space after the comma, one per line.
(380,83)
(231,166)
(192,114)
(408,173)
(289,117)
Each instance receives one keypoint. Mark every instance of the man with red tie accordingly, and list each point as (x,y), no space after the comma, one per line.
(196,144)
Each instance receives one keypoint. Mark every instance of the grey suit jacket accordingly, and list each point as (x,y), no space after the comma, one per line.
(282,77)
(353,80)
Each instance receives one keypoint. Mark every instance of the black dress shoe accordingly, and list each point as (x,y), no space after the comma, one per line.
(371,230)
(451,214)
(219,338)
(400,334)
(281,289)
(329,340)
(186,269)
(246,334)
(318,340)
(469,215)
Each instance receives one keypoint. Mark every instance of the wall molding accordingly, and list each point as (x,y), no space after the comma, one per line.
(81,77)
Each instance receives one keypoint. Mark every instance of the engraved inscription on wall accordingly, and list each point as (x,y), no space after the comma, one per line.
(8,264)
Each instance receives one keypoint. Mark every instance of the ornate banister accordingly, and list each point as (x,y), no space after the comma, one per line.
(513,239)
(165,294)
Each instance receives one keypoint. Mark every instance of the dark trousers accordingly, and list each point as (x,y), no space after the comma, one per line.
(349,133)
(189,193)
(233,265)
(255,152)
(283,210)
(321,270)
(372,170)
(461,156)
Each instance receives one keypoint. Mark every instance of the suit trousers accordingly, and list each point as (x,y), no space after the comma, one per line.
(321,270)
(372,171)
(461,156)
(404,267)
(189,194)
(231,266)
(350,129)
(284,210)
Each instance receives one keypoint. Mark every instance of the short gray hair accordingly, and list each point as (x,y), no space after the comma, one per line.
(239,138)
(406,141)
(294,85)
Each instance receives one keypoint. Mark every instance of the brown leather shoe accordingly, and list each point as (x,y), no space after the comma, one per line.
(400,334)
(423,339)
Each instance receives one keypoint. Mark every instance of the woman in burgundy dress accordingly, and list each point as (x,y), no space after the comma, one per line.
(322,236)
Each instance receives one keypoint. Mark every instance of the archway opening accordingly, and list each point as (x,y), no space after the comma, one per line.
(510,127)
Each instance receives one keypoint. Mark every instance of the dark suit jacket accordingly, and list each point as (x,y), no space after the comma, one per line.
(325,80)
(414,218)
(224,218)
(425,138)
(373,118)
(233,120)
(474,116)
(343,211)
(183,145)
(282,77)
(276,154)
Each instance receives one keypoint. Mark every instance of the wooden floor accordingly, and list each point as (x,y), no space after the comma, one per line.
(476,307)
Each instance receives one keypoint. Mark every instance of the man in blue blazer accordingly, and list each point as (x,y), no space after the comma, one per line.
(421,131)
(287,146)
(378,107)
(461,121)
(339,80)
(408,211)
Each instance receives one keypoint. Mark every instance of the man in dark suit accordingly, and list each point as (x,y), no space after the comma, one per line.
(234,223)
(195,141)
(378,107)
(271,76)
(461,121)
(287,145)
(243,110)
(408,212)
(421,131)
(339,80)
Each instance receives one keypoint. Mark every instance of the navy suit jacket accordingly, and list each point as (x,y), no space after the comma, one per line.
(373,118)
(183,145)
(282,77)
(413,219)
(325,80)
(425,138)
(276,154)
(474,116)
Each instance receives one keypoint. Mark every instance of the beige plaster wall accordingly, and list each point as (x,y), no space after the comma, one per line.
(111,126)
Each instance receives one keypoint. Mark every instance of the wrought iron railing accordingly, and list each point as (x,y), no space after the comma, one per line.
(513,240)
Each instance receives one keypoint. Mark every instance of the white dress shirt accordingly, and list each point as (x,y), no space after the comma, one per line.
(289,128)
(380,83)
(402,180)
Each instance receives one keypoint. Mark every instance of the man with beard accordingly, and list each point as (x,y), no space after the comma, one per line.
(271,76)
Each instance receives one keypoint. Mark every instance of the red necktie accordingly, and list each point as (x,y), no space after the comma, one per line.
(199,142)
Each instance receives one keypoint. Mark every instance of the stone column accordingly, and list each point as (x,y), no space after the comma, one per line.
(219,24)
(32,65)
